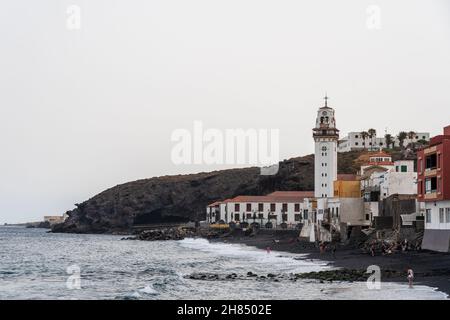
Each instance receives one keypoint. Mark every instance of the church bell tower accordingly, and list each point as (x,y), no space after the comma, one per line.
(326,137)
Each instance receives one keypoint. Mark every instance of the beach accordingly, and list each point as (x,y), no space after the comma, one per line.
(430,268)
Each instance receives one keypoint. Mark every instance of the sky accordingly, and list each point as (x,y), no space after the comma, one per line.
(90,95)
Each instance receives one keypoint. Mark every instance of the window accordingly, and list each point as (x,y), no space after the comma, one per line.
(431,185)
(236,207)
(423,137)
(441,215)
(297,207)
(297,217)
(305,214)
(337,212)
(260,215)
(249,207)
(447,215)
(260,207)
(428,216)
(285,207)
(367,216)
(396,168)
(404,168)
(272,207)
(431,162)
(236,216)
(356,143)
(249,216)
(356,136)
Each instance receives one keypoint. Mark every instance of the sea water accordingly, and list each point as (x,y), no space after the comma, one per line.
(35,264)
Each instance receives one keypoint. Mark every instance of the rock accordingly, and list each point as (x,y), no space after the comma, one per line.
(180,198)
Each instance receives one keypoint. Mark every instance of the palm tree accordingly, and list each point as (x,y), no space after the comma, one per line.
(364,135)
(402,135)
(372,134)
(411,136)
(388,138)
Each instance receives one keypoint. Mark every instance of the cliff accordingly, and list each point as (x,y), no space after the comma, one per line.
(184,197)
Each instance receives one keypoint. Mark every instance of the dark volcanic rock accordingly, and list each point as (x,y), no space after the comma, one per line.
(183,198)
(163,234)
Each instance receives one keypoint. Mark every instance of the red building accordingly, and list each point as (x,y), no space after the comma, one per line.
(433,168)
(433,188)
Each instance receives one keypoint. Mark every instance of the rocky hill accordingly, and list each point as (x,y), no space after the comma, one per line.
(184,197)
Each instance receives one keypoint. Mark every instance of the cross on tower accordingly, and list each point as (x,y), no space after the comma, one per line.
(326,100)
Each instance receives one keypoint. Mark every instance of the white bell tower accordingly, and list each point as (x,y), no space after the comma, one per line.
(326,137)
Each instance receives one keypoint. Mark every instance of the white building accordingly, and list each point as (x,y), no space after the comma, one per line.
(381,178)
(325,136)
(355,141)
(402,179)
(290,207)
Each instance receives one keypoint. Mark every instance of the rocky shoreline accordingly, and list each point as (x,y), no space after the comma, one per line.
(348,275)
(163,234)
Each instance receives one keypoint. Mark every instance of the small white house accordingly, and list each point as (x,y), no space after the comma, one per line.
(355,141)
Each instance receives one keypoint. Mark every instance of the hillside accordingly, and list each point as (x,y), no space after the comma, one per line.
(184,197)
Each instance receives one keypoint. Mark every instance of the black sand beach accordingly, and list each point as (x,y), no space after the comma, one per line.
(430,268)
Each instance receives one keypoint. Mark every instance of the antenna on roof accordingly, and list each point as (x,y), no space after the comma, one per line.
(326,99)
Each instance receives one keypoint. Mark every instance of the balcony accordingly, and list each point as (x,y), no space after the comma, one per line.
(430,196)
(430,172)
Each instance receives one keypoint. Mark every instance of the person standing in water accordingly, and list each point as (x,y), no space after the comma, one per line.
(410,277)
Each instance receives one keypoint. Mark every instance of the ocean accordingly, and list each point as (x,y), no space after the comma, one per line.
(35,264)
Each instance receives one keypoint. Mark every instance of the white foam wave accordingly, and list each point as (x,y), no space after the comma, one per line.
(280,261)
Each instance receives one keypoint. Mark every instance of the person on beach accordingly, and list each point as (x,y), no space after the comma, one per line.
(333,250)
(268,249)
(410,277)
(372,250)
(322,247)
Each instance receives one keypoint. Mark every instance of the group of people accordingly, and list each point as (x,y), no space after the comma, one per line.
(387,248)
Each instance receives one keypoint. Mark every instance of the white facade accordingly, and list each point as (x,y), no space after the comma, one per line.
(398,183)
(325,156)
(279,211)
(437,215)
(399,178)
(354,141)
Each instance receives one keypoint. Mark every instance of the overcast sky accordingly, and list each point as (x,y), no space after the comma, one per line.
(85,109)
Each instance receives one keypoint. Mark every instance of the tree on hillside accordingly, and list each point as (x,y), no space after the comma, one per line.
(402,135)
(364,135)
(389,141)
(372,135)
